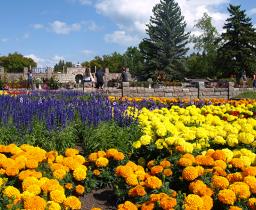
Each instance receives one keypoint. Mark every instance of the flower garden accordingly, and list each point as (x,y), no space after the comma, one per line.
(155,153)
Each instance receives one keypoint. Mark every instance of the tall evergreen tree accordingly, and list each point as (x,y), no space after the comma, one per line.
(238,50)
(165,48)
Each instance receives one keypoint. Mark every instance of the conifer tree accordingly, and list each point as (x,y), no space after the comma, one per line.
(238,50)
(165,48)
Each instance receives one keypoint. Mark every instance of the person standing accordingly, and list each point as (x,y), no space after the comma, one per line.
(254,80)
(124,75)
(99,77)
(30,80)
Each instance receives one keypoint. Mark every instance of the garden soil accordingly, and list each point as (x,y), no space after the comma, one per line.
(103,198)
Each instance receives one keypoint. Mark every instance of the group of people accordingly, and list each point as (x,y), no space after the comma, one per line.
(243,79)
(98,81)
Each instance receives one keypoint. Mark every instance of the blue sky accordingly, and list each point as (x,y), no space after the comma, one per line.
(78,30)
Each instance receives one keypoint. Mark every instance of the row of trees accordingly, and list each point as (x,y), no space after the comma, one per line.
(165,50)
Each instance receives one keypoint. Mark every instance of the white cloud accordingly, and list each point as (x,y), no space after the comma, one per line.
(4,40)
(60,27)
(252,11)
(131,16)
(87,52)
(45,62)
(122,38)
(38,26)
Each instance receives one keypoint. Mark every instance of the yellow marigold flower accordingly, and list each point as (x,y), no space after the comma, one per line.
(80,159)
(50,185)
(220,182)
(190,173)
(20,162)
(51,205)
(101,154)
(153,182)
(96,172)
(185,162)
(35,189)
(59,159)
(34,202)
(93,157)
(102,162)
(235,208)
(241,190)
(189,156)
(227,197)
(246,137)
(132,180)
(72,202)
(193,201)
(71,163)
(168,202)
(12,170)
(136,144)
(80,189)
(251,182)
(127,206)
(57,196)
(252,203)
(119,156)
(59,174)
(208,202)
(71,152)
(137,191)
(29,181)
(220,163)
(145,139)
(167,172)
(69,186)
(11,192)
(2,181)
(156,169)
(80,173)
(26,195)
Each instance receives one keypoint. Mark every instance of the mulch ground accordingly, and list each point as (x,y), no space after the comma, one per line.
(104,199)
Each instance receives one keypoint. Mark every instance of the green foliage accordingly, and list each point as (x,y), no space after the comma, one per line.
(62,66)
(1,84)
(166,46)
(238,50)
(16,62)
(53,84)
(107,135)
(247,94)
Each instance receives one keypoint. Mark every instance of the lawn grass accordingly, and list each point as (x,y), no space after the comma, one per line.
(247,95)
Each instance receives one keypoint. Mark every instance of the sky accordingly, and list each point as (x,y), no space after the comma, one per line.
(79,30)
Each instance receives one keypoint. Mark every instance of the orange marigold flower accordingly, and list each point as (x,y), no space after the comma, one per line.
(250,171)
(193,202)
(95,208)
(227,197)
(148,206)
(12,170)
(185,162)
(59,174)
(51,205)
(111,152)
(189,173)
(155,197)
(204,160)
(241,190)
(221,164)
(198,187)
(11,192)
(133,165)
(168,203)
(101,154)
(124,171)
(119,156)
(137,191)
(35,202)
(93,157)
(69,186)
(235,208)
(219,171)
(235,177)
(96,172)
(80,189)
(72,202)
(35,189)
(153,182)
(101,162)
(71,152)
(200,170)
(237,163)
(156,169)
(31,163)
(165,163)
(219,155)
(132,180)
(151,163)
(57,196)
(189,156)
(127,206)
(252,203)
(208,202)
(220,182)
(167,172)
(251,182)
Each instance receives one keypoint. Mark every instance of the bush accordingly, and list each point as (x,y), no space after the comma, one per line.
(108,135)
(53,84)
